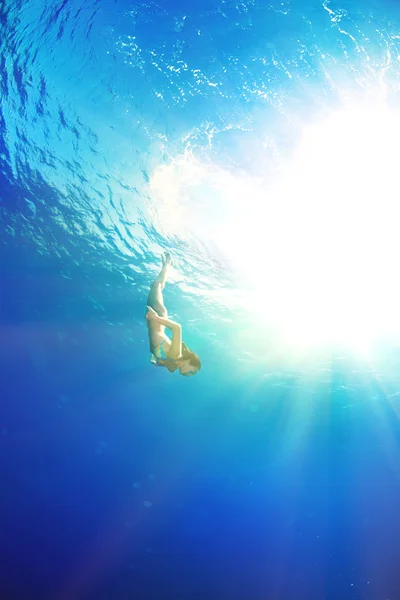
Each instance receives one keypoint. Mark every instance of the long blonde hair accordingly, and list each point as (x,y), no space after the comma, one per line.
(187,354)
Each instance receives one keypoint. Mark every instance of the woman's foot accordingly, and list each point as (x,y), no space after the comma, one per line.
(166,264)
(167,259)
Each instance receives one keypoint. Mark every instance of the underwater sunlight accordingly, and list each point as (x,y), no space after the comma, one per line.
(314,250)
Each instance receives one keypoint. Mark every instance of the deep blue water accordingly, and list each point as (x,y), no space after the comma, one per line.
(127,128)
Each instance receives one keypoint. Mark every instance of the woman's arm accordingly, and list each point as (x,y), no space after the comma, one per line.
(176,342)
(166,323)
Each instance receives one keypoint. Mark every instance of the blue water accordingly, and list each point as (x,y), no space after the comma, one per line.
(272,474)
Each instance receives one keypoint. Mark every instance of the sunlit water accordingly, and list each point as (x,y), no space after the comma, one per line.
(258,142)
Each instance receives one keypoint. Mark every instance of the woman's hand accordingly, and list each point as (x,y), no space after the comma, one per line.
(151,314)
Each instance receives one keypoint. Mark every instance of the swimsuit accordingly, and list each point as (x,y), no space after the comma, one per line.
(158,354)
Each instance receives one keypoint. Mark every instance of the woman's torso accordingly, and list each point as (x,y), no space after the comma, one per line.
(160,344)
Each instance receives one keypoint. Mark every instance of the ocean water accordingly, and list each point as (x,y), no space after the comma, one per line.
(257,141)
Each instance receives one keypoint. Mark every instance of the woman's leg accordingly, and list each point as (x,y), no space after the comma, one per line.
(155,298)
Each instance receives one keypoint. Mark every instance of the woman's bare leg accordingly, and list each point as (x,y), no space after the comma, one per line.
(163,275)
(155,298)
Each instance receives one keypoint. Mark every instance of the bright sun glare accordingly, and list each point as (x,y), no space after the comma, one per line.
(318,250)
(342,194)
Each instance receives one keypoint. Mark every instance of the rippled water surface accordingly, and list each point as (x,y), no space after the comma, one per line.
(257,141)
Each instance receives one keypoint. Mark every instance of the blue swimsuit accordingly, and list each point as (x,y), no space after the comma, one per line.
(158,354)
